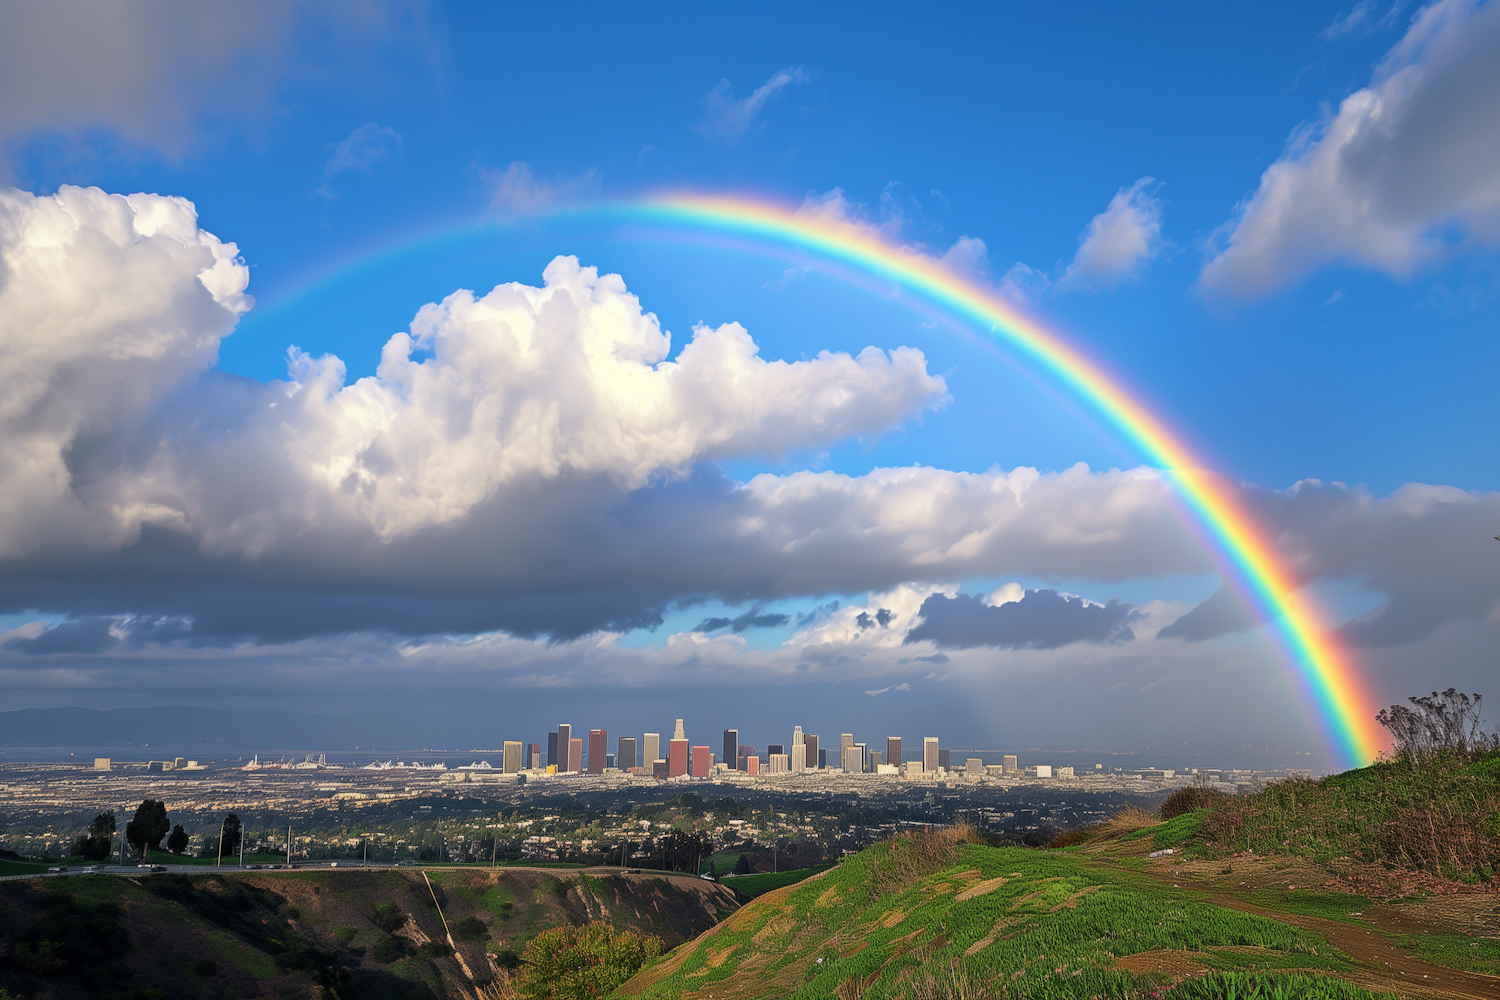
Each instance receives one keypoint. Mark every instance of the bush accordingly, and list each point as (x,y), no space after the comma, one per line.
(345,934)
(470,929)
(580,962)
(911,857)
(436,949)
(1190,799)
(389,949)
(206,968)
(389,918)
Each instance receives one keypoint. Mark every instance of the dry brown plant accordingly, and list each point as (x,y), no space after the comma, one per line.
(911,857)
(951,981)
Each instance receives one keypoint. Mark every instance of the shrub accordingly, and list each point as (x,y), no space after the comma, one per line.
(577,963)
(470,929)
(389,949)
(207,968)
(1190,799)
(911,857)
(345,934)
(388,917)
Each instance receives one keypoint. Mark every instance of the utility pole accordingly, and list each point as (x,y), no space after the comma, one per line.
(289,846)
(220,863)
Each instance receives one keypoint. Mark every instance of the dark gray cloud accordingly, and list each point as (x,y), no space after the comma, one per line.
(1042,619)
(1222,612)
(754,618)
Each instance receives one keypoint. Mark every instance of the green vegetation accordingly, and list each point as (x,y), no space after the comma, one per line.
(148,827)
(1441,817)
(1456,951)
(1269,986)
(757,885)
(1022,923)
(582,963)
(21,868)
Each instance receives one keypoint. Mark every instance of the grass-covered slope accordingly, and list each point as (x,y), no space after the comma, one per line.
(1442,818)
(929,916)
(333,934)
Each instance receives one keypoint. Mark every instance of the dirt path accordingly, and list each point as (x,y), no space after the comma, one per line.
(1383,965)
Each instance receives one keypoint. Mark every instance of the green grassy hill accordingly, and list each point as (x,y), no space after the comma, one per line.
(334,934)
(930,917)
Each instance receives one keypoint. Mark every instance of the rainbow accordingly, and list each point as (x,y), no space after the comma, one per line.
(1324,670)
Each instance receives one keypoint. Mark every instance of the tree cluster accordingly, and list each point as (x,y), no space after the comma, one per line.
(98,843)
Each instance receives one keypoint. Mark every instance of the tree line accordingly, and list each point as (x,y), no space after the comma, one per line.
(145,831)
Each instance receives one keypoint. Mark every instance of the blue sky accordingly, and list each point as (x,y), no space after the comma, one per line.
(1353,346)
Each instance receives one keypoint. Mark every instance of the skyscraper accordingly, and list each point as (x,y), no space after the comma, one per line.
(775,748)
(893,750)
(575,755)
(511,757)
(598,750)
(564,738)
(625,757)
(945,759)
(651,745)
(731,748)
(677,756)
(864,757)
(746,750)
(929,754)
(846,740)
(677,733)
(799,750)
(534,759)
(850,761)
(811,742)
(703,761)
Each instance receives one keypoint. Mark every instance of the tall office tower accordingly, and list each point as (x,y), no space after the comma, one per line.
(773,748)
(752,764)
(811,742)
(625,756)
(746,750)
(799,750)
(552,749)
(511,755)
(893,750)
(703,761)
(877,757)
(1010,763)
(822,758)
(598,750)
(731,748)
(659,769)
(929,754)
(864,757)
(945,760)
(851,760)
(651,745)
(677,758)
(564,738)
(534,761)
(846,740)
(677,733)
(575,755)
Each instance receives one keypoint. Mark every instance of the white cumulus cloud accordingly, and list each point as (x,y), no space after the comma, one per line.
(1119,241)
(1407,168)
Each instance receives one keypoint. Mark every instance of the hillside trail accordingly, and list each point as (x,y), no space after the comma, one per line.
(1383,966)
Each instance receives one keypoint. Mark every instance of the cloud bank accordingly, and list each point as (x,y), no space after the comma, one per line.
(1407,168)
